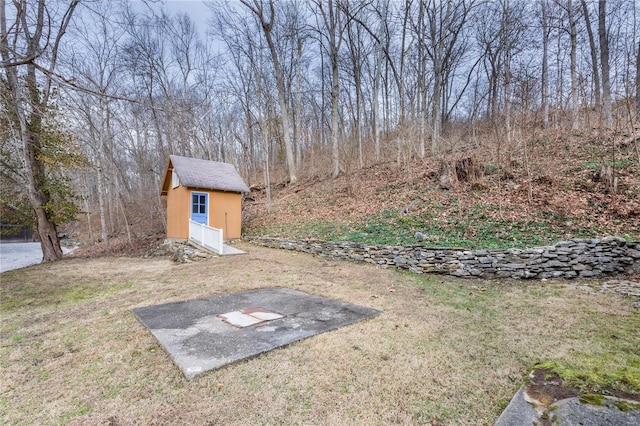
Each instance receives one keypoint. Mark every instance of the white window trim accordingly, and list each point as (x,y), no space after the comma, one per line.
(175,181)
(207,204)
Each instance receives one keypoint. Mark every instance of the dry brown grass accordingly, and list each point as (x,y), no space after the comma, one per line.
(443,352)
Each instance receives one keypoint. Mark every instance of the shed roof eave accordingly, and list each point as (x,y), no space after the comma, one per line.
(166,182)
(212,189)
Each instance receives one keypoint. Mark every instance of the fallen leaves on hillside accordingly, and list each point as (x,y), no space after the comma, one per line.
(560,185)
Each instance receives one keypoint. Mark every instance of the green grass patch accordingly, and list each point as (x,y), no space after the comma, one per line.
(618,164)
(604,353)
(626,406)
(17,338)
(592,399)
(611,361)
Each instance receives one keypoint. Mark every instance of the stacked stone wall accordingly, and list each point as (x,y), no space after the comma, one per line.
(576,258)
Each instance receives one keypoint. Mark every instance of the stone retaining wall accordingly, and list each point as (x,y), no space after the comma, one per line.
(584,258)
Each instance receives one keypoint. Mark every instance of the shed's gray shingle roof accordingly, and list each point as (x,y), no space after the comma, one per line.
(206,174)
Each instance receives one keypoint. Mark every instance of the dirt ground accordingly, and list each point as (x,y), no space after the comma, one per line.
(444,351)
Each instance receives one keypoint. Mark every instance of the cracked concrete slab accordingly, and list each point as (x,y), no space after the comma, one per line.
(198,339)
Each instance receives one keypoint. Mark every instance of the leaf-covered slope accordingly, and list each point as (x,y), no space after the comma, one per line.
(559,192)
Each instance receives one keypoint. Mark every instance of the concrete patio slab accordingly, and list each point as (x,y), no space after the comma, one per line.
(198,336)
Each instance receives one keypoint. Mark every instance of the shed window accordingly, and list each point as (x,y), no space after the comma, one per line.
(175,182)
(198,204)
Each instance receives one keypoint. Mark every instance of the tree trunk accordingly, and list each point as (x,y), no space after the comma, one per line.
(559,95)
(297,128)
(421,85)
(264,141)
(379,61)
(356,60)
(334,36)
(48,234)
(400,83)
(594,54)
(36,175)
(101,202)
(435,115)
(38,197)
(545,65)
(573,36)
(494,86)
(604,63)
(507,100)
(376,110)
(284,112)
(335,148)
(638,84)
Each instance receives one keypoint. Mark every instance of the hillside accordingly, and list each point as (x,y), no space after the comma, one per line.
(556,188)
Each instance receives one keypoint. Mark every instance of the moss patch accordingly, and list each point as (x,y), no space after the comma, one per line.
(592,399)
(626,406)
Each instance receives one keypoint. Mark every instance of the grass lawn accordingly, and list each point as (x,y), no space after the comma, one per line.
(445,351)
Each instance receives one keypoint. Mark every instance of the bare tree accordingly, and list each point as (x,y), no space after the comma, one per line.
(266,19)
(97,68)
(445,46)
(382,47)
(604,62)
(422,81)
(573,71)
(544,83)
(297,124)
(500,37)
(593,51)
(357,55)
(332,36)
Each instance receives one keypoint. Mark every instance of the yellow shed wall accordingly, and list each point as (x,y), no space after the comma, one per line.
(225,212)
(178,205)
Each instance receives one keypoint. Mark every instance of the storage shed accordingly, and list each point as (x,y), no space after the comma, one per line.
(204,191)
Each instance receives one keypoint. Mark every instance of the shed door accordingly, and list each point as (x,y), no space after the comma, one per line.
(199,210)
